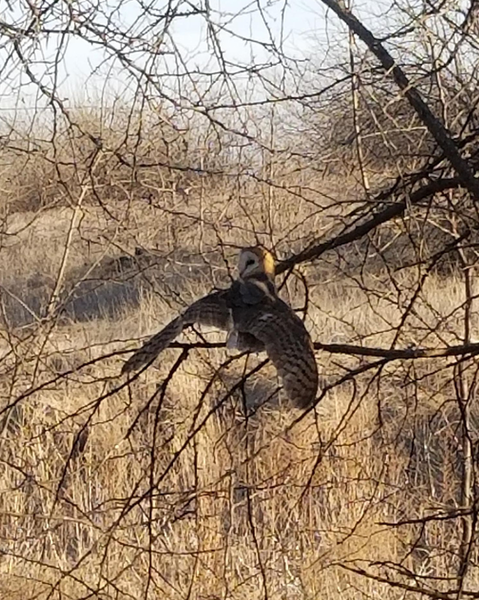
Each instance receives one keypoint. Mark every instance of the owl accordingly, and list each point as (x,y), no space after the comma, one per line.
(256,320)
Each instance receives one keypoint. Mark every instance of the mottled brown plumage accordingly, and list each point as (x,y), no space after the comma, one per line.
(256,319)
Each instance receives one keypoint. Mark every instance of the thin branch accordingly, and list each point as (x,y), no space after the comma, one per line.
(397,209)
(435,127)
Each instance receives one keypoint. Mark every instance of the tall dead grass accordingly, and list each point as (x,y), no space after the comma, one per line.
(144,491)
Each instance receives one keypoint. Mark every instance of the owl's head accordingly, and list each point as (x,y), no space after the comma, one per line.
(255,261)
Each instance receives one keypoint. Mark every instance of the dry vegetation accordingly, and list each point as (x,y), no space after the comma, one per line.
(193,480)
(109,491)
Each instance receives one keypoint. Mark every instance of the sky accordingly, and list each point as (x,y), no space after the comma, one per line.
(298,24)
(303,20)
(306,30)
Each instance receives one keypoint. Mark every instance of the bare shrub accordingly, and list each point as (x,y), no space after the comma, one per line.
(358,169)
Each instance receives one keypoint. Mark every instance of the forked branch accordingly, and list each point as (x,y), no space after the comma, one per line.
(433,124)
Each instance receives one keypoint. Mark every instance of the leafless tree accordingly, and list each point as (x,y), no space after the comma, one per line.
(199,128)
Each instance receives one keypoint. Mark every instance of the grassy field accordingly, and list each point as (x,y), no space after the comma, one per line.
(160,490)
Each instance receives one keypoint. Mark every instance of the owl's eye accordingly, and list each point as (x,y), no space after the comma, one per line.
(249,262)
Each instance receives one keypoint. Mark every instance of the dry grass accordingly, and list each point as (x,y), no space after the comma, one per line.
(176,495)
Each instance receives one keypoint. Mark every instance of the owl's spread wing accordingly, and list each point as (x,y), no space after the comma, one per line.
(289,348)
(210,310)
(270,326)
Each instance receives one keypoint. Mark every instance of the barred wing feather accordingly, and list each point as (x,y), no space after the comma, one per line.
(289,348)
(270,326)
(210,310)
